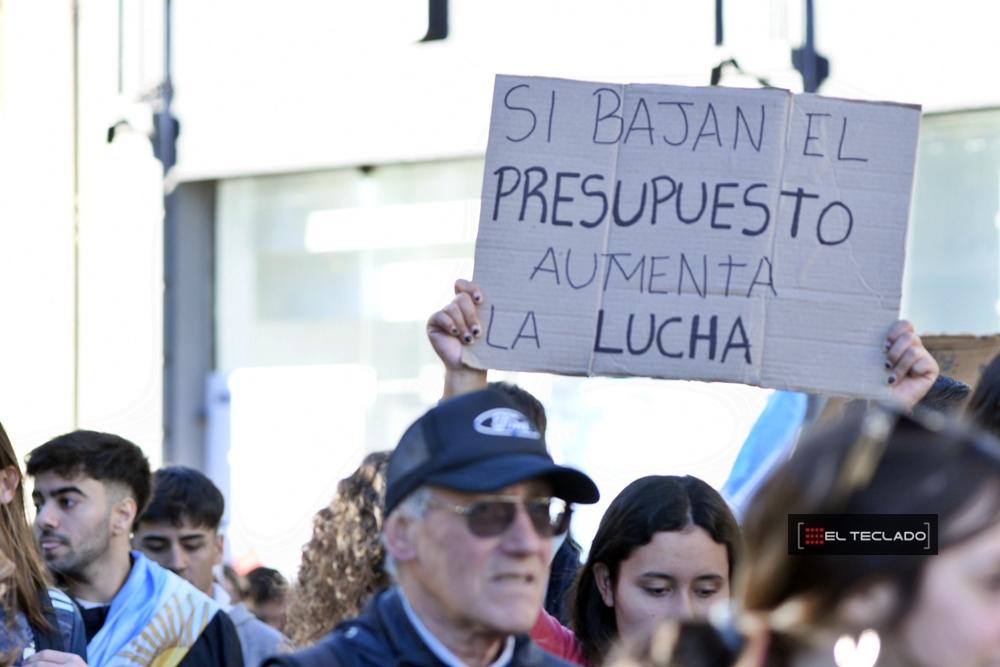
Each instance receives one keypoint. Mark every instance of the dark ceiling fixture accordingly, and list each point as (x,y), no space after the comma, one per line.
(437,20)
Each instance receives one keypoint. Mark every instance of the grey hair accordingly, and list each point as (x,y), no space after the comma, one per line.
(414,507)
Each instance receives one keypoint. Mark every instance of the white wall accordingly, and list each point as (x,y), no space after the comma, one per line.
(265,87)
(36,251)
(102,315)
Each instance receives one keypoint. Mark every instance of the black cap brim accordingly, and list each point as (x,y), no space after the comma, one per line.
(496,473)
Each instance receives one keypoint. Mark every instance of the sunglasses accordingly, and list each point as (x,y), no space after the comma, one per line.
(493,515)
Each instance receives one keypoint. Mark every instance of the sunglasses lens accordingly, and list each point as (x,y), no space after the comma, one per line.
(490,518)
(549,516)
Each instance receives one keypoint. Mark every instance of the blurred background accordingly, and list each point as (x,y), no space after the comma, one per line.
(223,224)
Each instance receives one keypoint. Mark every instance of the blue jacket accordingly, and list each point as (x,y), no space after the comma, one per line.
(383,636)
(67,633)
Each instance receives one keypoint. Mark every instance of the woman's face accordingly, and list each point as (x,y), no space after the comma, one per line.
(678,575)
(955,619)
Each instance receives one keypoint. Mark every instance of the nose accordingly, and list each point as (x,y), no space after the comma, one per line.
(522,538)
(177,560)
(684,607)
(45,516)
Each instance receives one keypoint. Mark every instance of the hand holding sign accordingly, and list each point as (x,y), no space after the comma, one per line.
(450,328)
(740,235)
(913,369)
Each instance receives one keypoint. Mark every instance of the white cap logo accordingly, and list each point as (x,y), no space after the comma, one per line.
(505,422)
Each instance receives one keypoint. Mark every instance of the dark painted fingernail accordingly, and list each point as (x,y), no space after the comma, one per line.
(478,297)
(892,379)
(454,331)
(476,331)
(467,338)
(888,365)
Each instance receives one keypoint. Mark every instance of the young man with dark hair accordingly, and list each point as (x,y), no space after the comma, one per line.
(89,489)
(180,531)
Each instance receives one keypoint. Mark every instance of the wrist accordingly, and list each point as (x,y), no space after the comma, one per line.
(463,380)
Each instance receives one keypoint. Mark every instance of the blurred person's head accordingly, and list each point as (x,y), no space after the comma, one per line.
(233,583)
(526,402)
(473,500)
(983,407)
(666,548)
(267,595)
(180,527)
(25,572)
(675,643)
(343,563)
(89,487)
(934,610)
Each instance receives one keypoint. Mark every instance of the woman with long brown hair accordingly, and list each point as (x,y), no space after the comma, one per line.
(38,623)
(343,563)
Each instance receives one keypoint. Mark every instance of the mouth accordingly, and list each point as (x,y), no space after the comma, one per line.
(515,578)
(50,543)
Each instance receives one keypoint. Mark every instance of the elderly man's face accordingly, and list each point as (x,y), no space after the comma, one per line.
(485,585)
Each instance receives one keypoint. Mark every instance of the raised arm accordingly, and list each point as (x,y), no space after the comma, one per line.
(453,327)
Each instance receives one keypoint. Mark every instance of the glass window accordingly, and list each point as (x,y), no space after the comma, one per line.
(325,282)
(952,280)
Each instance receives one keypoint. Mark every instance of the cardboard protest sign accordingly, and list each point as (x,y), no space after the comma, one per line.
(963,357)
(750,236)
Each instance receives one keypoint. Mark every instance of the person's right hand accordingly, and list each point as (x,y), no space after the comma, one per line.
(453,327)
(456,324)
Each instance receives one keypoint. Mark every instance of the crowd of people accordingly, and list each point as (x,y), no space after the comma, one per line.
(455,548)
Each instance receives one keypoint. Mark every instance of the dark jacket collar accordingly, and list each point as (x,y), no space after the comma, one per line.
(383,635)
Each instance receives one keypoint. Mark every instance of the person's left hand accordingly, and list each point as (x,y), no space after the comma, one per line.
(912,369)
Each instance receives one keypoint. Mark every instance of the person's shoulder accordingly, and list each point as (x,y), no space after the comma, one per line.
(352,643)
(66,612)
(259,640)
(555,638)
(323,653)
(243,617)
(218,644)
(61,601)
(265,634)
(529,654)
(69,622)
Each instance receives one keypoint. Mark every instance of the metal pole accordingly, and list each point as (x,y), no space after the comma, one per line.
(810,79)
(164,120)
(76,214)
(168,149)
(718,22)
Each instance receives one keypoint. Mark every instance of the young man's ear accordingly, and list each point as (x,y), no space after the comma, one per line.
(400,537)
(10,477)
(220,548)
(602,577)
(123,514)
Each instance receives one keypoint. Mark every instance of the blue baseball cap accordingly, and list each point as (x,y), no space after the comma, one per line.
(476,443)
